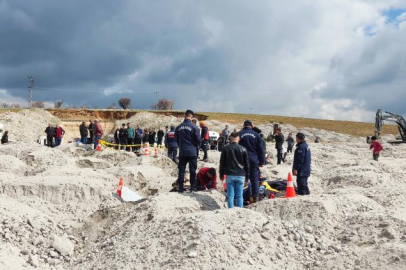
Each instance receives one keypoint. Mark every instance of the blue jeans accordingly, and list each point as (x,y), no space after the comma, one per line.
(96,141)
(235,186)
(84,139)
(58,141)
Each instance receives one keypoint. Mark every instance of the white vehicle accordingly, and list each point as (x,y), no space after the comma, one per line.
(213,136)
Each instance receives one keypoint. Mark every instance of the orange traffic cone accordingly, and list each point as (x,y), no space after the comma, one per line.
(120,186)
(156,152)
(146,150)
(99,147)
(290,189)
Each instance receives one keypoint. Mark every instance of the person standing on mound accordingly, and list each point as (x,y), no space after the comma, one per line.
(256,154)
(301,164)
(188,139)
(376,147)
(234,164)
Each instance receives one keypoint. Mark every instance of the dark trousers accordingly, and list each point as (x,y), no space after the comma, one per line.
(91,137)
(290,148)
(123,141)
(83,139)
(130,141)
(279,155)
(205,148)
(58,141)
(375,157)
(254,179)
(172,153)
(183,161)
(137,142)
(50,140)
(302,188)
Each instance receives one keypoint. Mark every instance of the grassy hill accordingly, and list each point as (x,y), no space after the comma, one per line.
(358,129)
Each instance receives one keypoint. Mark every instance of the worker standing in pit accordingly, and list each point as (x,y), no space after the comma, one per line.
(376,147)
(171,144)
(301,164)
(205,140)
(256,154)
(188,139)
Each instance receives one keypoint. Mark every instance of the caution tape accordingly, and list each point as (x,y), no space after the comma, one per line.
(106,144)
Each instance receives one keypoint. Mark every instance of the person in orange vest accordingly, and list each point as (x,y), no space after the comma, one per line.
(376,147)
(205,139)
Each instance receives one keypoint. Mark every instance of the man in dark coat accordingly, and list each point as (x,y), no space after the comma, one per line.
(256,154)
(91,129)
(205,139)
(83,132)
(301,164)
(160,135)
(171,144)
(188,139)
(50,131)
(279,140)
(152,135)
(123,136)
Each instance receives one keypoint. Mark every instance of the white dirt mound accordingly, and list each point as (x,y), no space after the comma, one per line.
(59,210)
(27,125)
(150,120)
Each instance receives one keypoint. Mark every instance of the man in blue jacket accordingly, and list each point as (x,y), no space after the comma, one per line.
(188,139)
(171,144)
(301,164)
(256,154)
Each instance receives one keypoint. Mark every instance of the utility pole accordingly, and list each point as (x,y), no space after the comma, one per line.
(156,96)
(251,110)
(30,86)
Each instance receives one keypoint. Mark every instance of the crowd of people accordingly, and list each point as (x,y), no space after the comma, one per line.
(242,155)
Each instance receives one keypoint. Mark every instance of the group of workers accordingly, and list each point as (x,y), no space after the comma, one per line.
(240,160)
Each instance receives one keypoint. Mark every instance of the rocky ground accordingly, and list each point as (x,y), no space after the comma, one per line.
(58,210)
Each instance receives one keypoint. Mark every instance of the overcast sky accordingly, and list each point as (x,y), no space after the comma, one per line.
(335,59)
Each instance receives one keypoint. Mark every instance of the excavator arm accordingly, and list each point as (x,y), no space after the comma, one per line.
(382,116)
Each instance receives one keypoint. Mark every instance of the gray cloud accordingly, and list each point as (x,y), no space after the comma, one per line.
(329,59)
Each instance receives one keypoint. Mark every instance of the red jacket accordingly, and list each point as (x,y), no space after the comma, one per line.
(99,130)
(205,180)
(59,132)
(377,146)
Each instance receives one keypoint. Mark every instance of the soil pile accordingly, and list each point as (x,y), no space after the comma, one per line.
(59,211)
(27,125)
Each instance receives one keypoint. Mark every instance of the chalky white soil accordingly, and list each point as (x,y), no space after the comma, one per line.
(57,209)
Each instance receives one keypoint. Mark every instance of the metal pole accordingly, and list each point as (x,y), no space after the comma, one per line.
(30,86)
